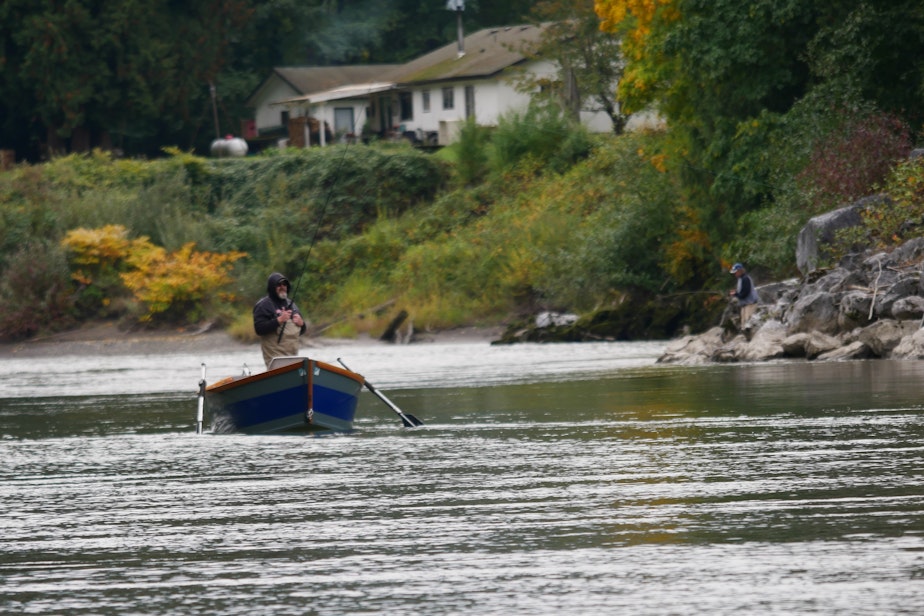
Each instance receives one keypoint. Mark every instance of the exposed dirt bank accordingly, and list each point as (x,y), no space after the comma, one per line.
(107,338)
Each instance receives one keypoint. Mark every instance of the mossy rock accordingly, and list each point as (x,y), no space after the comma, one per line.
(636,318)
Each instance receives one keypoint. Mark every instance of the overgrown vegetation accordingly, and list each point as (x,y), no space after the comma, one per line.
(535,215)
(165,241)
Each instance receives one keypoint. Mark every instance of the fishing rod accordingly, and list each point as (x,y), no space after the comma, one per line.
(317,227)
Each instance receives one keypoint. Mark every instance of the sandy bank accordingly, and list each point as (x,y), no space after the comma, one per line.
(106,338)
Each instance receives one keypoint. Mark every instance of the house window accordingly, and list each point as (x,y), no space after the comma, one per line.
(284,118)
(406,101)
(469,101)
(425,102)
(448,100)
(343,120)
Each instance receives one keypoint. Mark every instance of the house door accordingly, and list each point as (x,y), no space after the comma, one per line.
(343,120)
(469,101)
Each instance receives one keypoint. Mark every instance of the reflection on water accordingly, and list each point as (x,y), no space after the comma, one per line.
(624,487)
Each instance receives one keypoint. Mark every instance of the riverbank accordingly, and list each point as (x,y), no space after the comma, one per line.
(107,338)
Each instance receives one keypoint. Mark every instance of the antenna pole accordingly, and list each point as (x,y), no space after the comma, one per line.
(214,110)
(459,29)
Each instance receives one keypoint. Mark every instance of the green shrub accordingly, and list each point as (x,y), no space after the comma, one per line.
(891,221)
(471,153)
(543,134)
(35,291)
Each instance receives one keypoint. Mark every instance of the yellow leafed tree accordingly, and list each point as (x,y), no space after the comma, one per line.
(181,285)
(636,21)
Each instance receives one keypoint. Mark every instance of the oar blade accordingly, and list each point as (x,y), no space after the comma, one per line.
(412,422)
(409,421)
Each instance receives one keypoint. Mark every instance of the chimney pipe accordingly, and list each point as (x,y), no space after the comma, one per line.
(461,35)
(458,6)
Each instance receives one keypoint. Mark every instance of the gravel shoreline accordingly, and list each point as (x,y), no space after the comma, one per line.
(107,339)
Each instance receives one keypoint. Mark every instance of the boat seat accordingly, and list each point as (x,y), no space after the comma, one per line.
(284,360)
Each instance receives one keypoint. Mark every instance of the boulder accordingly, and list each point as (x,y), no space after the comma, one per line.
(854,350)
(907,308)
(555,319)
(776,292)
(820,231)
(731,351)
(819,343)
(693,349)
(794,345)
(883,336)
(815,312)
(854,309)
(766,343)
(911,251)
(911,346)
(871,304)
(899,288)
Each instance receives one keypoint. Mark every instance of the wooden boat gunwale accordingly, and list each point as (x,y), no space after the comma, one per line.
(303,368)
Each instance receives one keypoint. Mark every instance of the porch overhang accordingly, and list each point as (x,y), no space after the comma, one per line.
(336,94)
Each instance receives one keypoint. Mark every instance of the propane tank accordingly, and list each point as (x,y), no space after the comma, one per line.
(229,147)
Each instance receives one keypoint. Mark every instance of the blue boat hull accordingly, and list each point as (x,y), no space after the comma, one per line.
(301,395)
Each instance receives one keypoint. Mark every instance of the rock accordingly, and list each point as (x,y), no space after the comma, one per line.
(557,319)
(794,345)
(820,231)
(837,280)
(871,304)
(766,343)
(776,292)
(900,287)
(911,346)
(854,309)
(911,251)
(854,350)
(819,343)
(693,349)
(883,336)
(907,308)
(731,351)
(815,312)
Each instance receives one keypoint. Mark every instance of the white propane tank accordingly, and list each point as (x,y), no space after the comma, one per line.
(229,147)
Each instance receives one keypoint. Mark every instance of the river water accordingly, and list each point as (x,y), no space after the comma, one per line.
(549,479)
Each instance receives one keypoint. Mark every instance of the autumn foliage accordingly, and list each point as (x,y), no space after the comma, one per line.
(167,286)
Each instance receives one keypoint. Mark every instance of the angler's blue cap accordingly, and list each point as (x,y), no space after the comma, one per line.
(735,268)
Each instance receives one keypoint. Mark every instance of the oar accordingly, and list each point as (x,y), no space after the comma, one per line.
(407,419)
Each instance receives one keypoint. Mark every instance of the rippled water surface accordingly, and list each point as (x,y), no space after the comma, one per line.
(549,479)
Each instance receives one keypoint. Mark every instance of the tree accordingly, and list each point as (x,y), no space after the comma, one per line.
(590,61)
(114,72)
(724,73)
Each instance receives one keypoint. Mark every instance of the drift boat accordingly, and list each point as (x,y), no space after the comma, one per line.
(294,394)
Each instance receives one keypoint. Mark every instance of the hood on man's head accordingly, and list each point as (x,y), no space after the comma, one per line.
(274,280)
(735,268)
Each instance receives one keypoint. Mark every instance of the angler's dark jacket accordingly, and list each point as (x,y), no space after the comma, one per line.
(276,340)
(268,308)
(745,291)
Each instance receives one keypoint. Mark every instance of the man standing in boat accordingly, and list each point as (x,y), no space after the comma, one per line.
(271,320)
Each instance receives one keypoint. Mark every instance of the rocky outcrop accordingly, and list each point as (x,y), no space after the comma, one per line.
(867,306)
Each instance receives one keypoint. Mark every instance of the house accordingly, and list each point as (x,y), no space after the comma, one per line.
(476,78)
(429,98)
(271,123)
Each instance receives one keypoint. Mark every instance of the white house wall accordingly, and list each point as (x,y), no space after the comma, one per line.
(325,112)
(270,116)
(493,98)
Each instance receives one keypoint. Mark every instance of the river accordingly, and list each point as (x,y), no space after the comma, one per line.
(548,479)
